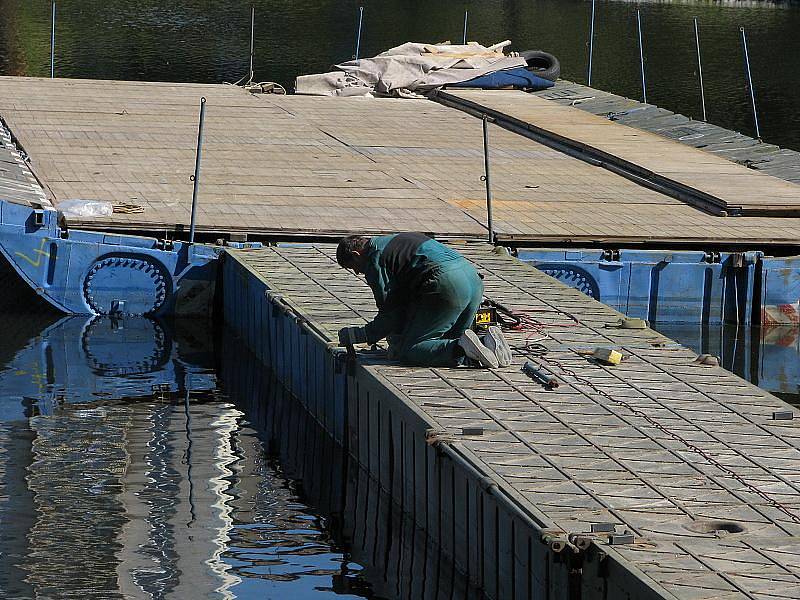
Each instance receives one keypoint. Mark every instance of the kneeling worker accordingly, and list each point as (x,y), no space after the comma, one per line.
(427,296)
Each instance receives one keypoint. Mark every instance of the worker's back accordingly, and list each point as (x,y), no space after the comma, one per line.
(407,259)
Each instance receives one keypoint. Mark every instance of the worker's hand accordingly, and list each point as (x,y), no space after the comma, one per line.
(349,336)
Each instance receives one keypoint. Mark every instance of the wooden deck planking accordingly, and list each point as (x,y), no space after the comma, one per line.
(263,171)
(325,166)
(657,445)
(734,186)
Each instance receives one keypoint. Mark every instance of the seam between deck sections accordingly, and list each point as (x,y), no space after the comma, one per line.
(685,192)
(595,157)
(719,573)
(553,464)
(712,435)
(760,552)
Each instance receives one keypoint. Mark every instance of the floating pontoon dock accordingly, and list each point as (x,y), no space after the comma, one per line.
(657,478)
(293,165)
(630,217)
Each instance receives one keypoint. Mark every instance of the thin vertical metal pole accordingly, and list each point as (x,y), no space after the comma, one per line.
(358,36)
(196,177)
(750,82)
(641,55)
(53,44)
(487,179)
(700,69)
(252,40)
(591,43)
(466,16)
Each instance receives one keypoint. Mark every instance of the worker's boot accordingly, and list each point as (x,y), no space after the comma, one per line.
(495,341)
(473,349)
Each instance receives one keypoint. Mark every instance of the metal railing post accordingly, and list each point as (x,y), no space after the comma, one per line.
(358,34)
(196,176)
(252,41)
(487,178)
(53,43)
(641,55)
(750,82)
(700,69)
(591,43)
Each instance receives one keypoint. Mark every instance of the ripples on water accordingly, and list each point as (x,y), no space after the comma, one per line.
(132,465)
(208,41)
(127,472)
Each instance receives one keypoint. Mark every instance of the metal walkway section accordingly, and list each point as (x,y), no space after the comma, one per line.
(657,478)
(732,145)
(699,178)
(17,183)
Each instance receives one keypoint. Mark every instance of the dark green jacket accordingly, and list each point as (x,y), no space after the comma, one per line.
(397,268)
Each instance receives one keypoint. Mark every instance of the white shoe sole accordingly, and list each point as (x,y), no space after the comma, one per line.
(496,342)
(474,349)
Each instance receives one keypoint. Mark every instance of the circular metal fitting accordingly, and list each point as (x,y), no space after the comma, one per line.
(132,285)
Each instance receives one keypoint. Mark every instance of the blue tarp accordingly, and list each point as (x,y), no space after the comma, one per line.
(519,78)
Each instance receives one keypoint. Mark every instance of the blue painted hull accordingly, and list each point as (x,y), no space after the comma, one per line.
(84,272)
(80,359)
(682,286)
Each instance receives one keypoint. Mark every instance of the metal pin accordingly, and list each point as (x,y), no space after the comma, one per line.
(591,43)
(466,16)
(487,179)
(53,44)
(196,176)
(252,41)
(700,69)
(750,82)
(358,35)
(641,55)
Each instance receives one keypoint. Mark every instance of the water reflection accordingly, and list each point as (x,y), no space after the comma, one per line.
(77,359)
(126,473)
(770,358)
(397,559)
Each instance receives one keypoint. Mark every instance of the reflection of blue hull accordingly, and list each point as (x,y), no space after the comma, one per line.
(769,357)
(677,287)
(80,359)
(82,272)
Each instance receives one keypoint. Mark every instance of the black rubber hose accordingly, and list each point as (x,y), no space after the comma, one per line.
(542,64)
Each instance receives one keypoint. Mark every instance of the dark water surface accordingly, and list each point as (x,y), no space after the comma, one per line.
(127,470)
(208,41)
(144,459)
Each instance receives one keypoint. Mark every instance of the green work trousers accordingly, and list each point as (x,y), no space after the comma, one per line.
(434,319)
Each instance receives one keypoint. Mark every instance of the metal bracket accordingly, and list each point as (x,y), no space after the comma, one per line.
(619,539)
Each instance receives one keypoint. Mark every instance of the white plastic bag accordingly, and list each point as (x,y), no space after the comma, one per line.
(85,208)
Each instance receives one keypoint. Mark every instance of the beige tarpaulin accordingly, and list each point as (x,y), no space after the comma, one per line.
(411,69)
